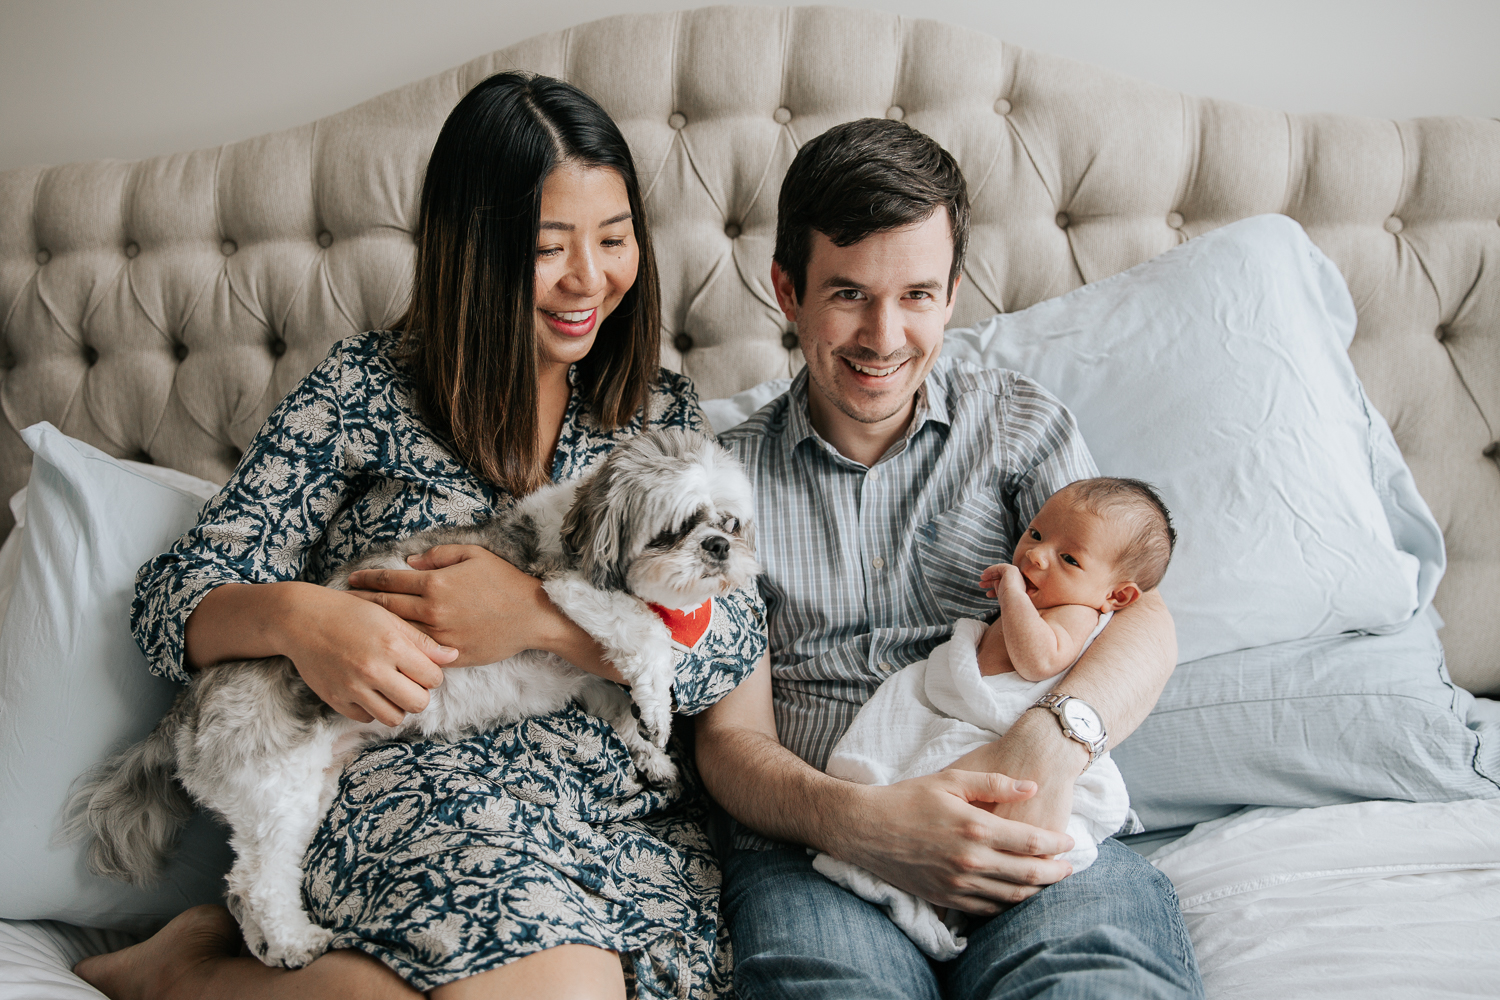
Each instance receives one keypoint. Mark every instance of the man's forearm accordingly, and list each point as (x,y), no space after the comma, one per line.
(770,789)
(1122,674)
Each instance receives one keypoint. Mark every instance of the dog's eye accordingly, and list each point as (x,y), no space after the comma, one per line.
(732,525)
(665,540)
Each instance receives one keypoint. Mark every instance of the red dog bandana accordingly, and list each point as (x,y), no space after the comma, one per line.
(687,627)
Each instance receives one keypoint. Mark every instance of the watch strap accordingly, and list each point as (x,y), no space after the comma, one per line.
(1053,702)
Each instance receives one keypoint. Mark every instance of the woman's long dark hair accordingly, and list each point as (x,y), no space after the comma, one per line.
(470,332)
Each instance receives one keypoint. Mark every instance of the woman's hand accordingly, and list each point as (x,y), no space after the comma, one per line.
(363,661)
(468,598)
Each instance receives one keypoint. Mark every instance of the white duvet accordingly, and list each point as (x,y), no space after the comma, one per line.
(1374,900)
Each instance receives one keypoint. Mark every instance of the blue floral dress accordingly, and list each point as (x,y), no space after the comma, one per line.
(441,859)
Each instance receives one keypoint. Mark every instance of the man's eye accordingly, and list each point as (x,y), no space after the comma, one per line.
(1036,536)
(1070,560)
(848,294)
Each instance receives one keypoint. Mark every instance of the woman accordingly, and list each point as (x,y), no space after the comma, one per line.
(529,861)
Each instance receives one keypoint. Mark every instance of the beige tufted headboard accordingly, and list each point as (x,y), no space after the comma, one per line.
(159,309)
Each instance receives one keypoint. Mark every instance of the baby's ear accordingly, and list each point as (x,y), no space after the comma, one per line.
(1122,596)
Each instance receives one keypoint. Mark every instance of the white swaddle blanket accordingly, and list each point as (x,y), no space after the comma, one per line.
(925,717)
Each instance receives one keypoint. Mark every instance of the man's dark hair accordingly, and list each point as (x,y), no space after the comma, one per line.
(864,177)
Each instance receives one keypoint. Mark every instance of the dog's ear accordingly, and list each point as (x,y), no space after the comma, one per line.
(593,531)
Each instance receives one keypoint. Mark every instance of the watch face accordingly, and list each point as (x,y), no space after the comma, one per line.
(1082,719)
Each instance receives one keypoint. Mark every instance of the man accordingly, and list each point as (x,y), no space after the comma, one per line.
(886,481)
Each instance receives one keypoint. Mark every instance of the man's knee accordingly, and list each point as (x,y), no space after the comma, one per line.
(1115,929)
(797,935)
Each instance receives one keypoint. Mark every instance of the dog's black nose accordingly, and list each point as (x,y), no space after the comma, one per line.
(716,546)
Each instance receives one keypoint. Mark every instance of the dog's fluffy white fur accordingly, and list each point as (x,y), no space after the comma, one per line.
(665,519)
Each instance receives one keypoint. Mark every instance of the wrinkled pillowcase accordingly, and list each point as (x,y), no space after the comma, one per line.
(73,685)
(1218,372)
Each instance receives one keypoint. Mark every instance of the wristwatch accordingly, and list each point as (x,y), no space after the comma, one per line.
(1079,722)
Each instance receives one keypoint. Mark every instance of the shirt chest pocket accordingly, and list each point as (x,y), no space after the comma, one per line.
(954,548)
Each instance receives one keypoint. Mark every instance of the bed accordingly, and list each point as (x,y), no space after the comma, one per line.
(156,311)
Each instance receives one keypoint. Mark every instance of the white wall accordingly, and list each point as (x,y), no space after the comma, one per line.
(85,79)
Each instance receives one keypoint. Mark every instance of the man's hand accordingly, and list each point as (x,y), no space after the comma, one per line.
(1036,748)
(939,837)
(943,837)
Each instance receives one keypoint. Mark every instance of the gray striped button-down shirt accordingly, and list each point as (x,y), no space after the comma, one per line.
(865,568)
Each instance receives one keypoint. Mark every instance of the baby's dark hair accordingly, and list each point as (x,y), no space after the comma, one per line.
(1146,554)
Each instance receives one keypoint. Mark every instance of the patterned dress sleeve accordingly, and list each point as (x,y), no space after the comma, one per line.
(732,645)
(1061,456)
(260,526)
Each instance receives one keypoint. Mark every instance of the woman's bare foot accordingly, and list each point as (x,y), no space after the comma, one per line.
(150,970)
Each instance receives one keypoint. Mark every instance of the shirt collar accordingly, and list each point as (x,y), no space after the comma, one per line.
(932,407)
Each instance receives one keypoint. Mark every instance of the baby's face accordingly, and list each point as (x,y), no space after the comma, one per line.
(1067,555)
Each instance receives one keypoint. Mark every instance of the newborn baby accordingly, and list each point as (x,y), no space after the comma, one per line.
(1094,548)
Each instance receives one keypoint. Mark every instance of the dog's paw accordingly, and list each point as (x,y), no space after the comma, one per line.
(250,930)
(299,948)
(656,766)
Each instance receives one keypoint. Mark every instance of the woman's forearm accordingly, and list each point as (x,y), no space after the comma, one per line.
(360,659)
(241,621)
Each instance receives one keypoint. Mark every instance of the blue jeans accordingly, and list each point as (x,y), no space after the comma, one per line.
(1112,931)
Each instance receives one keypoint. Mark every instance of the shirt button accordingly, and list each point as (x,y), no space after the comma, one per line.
(878,562)
(887,667)
(873,474)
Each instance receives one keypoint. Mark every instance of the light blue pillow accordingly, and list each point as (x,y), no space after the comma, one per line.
(74,686)
(1218,372)
(1315,722)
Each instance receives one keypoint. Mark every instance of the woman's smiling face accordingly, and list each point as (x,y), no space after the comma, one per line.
(586,259)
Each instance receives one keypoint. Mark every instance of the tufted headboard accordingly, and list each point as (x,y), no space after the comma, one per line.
(160,309)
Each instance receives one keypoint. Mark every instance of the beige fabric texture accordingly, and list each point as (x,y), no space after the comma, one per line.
(160,309)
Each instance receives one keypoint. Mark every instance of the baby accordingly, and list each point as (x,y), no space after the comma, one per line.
(1094,547)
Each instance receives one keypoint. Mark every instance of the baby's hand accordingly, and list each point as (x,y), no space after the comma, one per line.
(999,576)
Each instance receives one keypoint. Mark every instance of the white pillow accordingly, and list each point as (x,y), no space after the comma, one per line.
(723,414)
(74,686)
(1218,372)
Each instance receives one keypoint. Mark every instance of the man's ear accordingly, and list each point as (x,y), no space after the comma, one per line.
(786,292)
(952,298)
(1122,596)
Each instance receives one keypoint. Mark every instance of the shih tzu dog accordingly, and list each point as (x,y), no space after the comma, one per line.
(634,552)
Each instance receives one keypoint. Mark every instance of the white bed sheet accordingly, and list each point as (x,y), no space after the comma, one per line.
(37,959)
(1373,900)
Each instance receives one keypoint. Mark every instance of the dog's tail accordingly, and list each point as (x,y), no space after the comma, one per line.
(133,807)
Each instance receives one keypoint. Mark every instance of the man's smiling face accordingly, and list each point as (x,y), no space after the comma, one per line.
(871,321)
